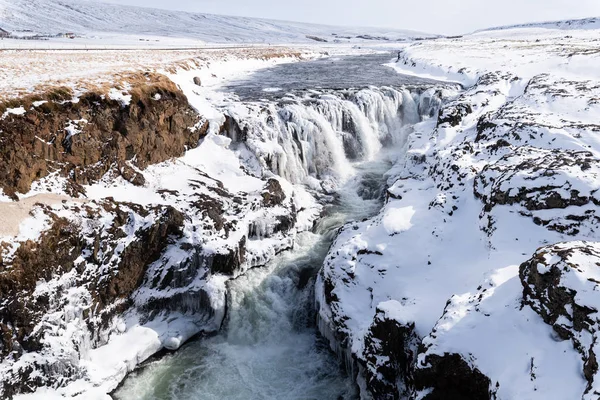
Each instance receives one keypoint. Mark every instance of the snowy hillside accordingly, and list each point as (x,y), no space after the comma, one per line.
(572,24)
(478,278)
(98,19)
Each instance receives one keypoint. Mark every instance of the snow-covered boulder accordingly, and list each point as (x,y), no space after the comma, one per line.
(562,284)
(557,188)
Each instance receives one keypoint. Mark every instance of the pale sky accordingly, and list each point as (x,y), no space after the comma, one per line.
(433,16)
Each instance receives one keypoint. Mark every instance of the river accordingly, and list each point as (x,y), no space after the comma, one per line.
(269,347)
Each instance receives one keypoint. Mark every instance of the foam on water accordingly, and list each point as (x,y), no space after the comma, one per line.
(269,347)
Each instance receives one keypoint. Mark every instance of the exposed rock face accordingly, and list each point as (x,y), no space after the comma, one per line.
(231,262)
(390,353)
(59,246)
(147,248)
(449,377)
(560,283)
(453,115)
(84,138)
(273,194)
(539,180)
(103,259)
(232,129)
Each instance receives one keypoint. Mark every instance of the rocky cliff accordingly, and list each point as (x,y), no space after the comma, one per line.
(83,136)
(143,239)
(476,279)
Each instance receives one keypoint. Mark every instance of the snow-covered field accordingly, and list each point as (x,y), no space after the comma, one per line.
(84,70)
(509,166)
(99,24)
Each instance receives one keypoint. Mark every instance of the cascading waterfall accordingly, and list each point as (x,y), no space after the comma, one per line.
(269,348)
(320,136)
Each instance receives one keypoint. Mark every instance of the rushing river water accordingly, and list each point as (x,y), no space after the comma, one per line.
(269,347)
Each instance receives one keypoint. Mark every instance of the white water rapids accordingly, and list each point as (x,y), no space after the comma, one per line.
(269,347)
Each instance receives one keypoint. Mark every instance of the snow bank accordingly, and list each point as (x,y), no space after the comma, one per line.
(508,167)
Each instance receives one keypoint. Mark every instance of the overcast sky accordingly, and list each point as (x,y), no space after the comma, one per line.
(434,16)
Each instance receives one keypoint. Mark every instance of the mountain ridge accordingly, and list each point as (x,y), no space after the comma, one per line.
(90,17)
(567,24)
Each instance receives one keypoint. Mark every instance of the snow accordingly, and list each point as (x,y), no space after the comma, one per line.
(13,111)
(98,25)
(566,25)
(120,96)
(473,198)
(83,70)
(532,364)
(521,52)
(74,127)
(16,218)
(215,158)
(396,220)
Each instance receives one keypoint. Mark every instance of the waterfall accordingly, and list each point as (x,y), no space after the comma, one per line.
(268,347)
(318,137)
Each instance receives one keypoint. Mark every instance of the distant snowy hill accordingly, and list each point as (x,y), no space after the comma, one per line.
(85,18)
(586,23)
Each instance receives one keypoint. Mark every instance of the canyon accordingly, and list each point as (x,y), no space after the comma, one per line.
(419,226)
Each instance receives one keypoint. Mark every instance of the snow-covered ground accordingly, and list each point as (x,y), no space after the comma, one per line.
(84,70)
(100,24)
(509,166)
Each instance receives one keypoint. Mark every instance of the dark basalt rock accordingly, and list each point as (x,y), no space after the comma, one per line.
(390,353)
(453,114)
(451,378)
(212,208)
(547,278)
(147,131)
(230,262)
(232,129)
(56,252)
(146,249)
(351,147)
(273,194)
(131,175)
(501,183)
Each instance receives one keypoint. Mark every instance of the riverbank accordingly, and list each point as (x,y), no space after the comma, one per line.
(492,214)
(145,262)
